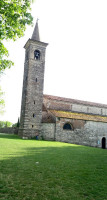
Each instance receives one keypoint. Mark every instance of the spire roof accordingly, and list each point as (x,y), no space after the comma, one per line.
(35,35)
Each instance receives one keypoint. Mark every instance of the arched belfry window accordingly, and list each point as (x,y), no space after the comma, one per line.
(67,126)
(37,55)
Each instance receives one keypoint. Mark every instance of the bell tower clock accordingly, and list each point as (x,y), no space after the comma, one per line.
(33,80)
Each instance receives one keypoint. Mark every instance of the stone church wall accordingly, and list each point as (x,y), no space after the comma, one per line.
(84,132)
(89,109)
(48,131)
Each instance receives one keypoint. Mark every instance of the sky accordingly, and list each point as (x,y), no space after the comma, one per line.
(76,57)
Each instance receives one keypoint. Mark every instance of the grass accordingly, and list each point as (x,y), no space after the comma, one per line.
(42,170)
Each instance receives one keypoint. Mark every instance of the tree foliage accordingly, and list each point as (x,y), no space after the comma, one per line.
(4,124)
(16,124)
(2,103)
(14,16)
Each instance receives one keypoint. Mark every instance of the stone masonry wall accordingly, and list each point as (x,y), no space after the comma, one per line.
(89,109)
(48,131)
(32,97)
(84,132)
(9,130)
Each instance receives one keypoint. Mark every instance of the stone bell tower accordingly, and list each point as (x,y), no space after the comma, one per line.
(33,81)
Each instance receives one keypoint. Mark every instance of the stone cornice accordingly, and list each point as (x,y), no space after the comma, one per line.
(30,41)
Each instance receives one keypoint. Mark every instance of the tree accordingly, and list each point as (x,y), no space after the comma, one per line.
(4,124)
(14,16)
(2,103)
(16,124)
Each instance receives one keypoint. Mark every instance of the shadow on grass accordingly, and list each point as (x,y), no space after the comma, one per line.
(44,170)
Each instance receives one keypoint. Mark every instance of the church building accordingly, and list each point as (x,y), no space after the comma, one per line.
(56,118)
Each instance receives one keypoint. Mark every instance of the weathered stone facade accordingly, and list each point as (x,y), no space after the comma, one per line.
(9,130)
(57,118)
(32,96)
(48,131)
(88,121)
(85,132)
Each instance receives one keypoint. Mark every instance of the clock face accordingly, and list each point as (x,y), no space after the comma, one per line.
(37,55)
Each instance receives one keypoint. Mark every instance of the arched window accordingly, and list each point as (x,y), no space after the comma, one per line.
(37,55)
(67,126)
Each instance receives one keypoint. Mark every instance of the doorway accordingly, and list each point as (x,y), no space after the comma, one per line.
(103,143)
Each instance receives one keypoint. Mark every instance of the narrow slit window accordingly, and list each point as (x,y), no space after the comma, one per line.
(34,115)
(34,102)
(36,80)
(32,126)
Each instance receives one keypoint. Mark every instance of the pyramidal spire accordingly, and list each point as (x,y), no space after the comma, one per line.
(35,35)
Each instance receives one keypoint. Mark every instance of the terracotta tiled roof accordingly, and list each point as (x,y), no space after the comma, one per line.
(48,117)
(62,99)
(44,107)
(71,115)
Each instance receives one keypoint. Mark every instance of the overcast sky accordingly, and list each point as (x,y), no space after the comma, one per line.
(76,57)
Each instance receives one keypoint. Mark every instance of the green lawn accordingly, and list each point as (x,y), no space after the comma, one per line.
(42,170)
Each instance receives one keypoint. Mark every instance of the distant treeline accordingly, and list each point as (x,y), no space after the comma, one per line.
(4,124)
